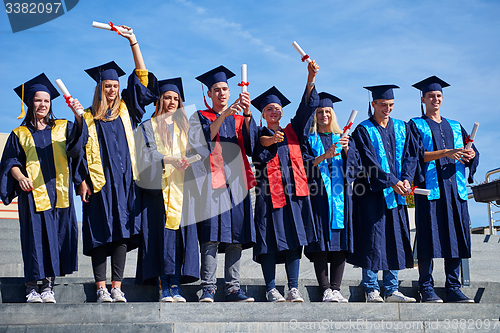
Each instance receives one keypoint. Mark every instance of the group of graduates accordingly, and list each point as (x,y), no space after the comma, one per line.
(178,189)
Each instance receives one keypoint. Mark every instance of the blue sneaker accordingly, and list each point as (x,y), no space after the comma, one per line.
(208,295)
(176,294)
(456,296)
(165,296)
(429,296)
(238,296)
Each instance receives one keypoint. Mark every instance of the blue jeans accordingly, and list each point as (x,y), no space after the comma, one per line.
(390,280)
(451,270)
(232,261)
(292,266)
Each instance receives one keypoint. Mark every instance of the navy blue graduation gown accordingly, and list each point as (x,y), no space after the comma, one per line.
(49,239)
(381,235)
(225,214)
(112,214)
(443,224)
(291,226)
(157,249)
(339,239)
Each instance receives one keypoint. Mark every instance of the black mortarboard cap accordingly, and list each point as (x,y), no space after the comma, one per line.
(272,95)
(38,83)
(432,83)
(327,100)
(174,84)
(382,91)
(219,74)
(108,71)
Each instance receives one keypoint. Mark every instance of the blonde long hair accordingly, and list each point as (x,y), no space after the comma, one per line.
(179,117)
(100,107)
(334,126)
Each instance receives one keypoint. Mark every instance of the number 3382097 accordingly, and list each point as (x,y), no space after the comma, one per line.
(32,8)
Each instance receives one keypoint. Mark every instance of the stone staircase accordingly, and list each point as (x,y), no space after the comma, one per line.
(76,309)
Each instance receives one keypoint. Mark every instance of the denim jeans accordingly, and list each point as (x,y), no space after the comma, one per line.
(390,281)
(292,266)
(451,270)
(232,261)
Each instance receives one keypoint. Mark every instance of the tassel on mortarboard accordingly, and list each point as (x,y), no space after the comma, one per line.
(28,89)
(21,116)
(204,100)
(369,109)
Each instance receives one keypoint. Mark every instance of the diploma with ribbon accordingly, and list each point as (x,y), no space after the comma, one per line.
(111,27)
(67,96)
(304,56)
(244,83)
(419,191)
(193,159)
(470,138)
(350,121)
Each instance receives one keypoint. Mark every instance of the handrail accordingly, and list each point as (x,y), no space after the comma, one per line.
(490,215)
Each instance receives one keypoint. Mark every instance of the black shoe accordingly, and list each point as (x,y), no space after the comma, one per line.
(456,296)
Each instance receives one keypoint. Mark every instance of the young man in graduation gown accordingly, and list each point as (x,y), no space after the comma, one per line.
(380,219)
(37,167)
(219,199)
(442,218)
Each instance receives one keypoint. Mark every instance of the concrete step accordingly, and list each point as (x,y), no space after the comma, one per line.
(9,223)
(248,317)
(11,245)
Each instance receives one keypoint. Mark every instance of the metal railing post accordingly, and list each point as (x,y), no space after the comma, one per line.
(490,215)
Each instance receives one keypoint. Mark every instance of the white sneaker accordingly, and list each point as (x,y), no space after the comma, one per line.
(103,296)
(34,297)
(48,297)
(118,296)
(175,292)
(333,296)
(374,297)
(274,295)
(294,296)
(398,297)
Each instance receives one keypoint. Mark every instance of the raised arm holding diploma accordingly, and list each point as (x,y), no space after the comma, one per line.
(112,27)
(304,56)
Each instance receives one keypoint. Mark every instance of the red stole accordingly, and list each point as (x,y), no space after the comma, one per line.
(216,159)
(299,173)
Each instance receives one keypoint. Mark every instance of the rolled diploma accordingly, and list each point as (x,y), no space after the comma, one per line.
(353,115)
(108,27)
(420,191)
(193,159)
(65,92)
(302,53)
(472,135)
(244,77)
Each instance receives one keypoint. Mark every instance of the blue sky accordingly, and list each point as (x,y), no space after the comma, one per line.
(357,43)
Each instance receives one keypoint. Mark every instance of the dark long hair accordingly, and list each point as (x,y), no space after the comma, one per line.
(30,115)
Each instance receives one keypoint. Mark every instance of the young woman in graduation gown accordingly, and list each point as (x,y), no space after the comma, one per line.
(325,154)
(168,254)
(37,167)
(111,219)
(283,214)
